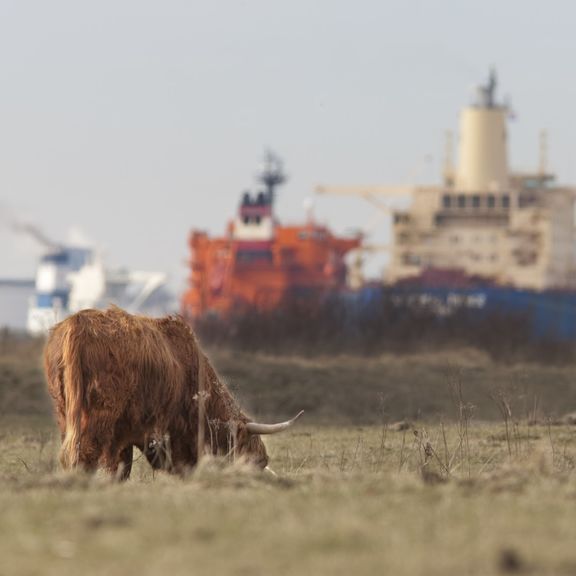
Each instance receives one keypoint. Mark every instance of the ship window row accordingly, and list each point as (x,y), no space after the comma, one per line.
(409,259)
(251,219)
(260,199)
(250,256)
(312,235)
(401,218)
(475,201)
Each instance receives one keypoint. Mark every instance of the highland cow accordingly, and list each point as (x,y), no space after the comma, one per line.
(118,380)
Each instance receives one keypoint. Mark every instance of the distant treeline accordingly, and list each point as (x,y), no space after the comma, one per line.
(330,324)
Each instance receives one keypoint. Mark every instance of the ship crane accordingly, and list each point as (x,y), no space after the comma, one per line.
(372,194)
(382,198)
(37,234)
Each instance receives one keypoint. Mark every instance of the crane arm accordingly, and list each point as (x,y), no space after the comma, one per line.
(366,191)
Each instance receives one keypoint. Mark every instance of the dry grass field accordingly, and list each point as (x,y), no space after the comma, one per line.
(481,480)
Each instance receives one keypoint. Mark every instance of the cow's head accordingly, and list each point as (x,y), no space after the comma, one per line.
(249,443)
(243,441)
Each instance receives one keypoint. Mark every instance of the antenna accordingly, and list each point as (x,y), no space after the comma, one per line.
(309,209)
(272,174)
(486,93)
(543,152)
(449,159)
(491,88)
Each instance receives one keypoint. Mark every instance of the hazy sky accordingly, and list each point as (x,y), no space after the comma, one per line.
(136,121)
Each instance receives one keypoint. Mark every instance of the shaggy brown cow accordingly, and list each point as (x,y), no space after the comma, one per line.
(119,380)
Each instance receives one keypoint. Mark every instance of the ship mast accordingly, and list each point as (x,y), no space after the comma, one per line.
(272,174)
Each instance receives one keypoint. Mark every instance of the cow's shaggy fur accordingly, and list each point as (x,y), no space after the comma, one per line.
(119,380)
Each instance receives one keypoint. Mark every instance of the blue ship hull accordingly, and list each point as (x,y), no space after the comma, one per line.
(550,315)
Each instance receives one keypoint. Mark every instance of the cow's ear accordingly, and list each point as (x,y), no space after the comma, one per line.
(256,428)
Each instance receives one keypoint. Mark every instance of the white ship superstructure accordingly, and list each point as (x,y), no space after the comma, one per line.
(512,229)
(69,279)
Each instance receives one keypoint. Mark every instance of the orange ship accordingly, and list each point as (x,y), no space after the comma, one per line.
(260,262)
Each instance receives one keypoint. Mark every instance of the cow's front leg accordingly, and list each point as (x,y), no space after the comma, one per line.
(118,462)
(125,463)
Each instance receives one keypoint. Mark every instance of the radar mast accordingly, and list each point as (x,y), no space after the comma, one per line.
(272,174)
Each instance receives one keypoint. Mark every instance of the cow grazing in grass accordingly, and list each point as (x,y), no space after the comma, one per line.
(119,381)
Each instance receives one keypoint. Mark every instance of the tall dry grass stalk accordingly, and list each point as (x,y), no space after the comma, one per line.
(464,412)
(201,404)
(502,401)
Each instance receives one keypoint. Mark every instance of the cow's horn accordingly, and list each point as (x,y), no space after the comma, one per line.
(255,428)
